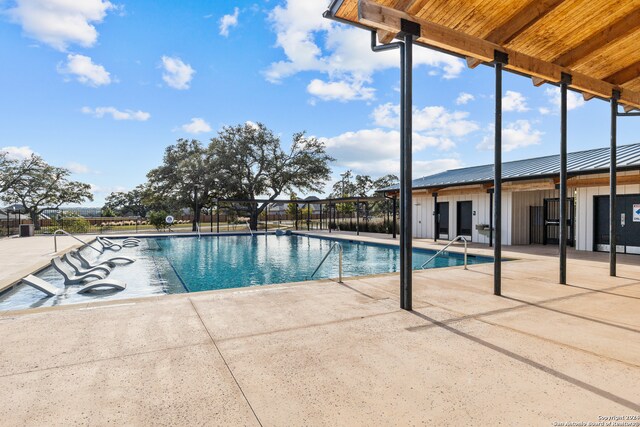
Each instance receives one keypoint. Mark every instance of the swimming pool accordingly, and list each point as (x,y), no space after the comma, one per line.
(168,265)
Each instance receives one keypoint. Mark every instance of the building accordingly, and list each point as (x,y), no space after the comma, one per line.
(459,201)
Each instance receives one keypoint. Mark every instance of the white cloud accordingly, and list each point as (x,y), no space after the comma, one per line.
(60,23)
(176,74)
(432,120)
(78,168)
(515,135)
(85,71)
(574,100)
(196,126)
(345,54)
(229,21)
(116,114)
(17,153)
(340,90)
(464,98)
(514,101)
(544,110)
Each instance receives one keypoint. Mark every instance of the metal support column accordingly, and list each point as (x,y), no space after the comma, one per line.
(266,218)
(562,235)
(490,191)
(320,217)
(500,59)
(613,181)
(195,210)
(329,217)
(436,217)
(409,30)
(308,217)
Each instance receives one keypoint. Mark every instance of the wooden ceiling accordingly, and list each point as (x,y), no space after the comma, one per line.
(597,42)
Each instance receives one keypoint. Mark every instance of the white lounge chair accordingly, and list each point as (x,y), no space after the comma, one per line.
(106,284)
(70,277)
(51,290)
(111,262)
(108,244)
(42,285)
(77,265)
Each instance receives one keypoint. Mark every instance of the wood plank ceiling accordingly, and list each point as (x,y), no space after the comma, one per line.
(596,41)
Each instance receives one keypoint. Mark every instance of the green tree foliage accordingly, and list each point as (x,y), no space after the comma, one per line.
(187,169)
(127,203)
(37,185)
(251,163)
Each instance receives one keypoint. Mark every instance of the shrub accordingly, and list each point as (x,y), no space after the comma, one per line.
(157,219)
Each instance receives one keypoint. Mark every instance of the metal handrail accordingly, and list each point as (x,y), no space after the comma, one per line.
(249,227)
(327,256)
(55,240)
(445,248)
(198,230)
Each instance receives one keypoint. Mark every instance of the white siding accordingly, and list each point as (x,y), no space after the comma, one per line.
(423,220)
(522,200)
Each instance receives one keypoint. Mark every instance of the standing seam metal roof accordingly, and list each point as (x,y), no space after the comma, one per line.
(588,161)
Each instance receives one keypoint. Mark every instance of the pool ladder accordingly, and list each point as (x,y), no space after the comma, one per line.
(334,245)
(445,248)
(249,227)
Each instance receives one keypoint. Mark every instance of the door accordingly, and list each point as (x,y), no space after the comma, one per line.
(464,222)
(632,223)
(627,223)
(551,212)
(443,220)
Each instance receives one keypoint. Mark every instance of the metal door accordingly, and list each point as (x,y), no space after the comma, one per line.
(464,220)
(552,221)
(601,223)
(443,220)
(630,223)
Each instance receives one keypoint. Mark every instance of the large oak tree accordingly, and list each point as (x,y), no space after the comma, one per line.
(251,164)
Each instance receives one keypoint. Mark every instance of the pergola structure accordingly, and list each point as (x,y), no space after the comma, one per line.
(590,46)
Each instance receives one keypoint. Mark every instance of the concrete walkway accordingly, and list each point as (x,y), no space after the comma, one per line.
(323,353)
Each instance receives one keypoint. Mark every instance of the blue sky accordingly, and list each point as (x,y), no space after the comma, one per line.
(103,87)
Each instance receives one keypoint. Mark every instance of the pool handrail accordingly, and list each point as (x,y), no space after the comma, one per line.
(198,230)
(327,256)
(249,227)
(445,248)
(55,240)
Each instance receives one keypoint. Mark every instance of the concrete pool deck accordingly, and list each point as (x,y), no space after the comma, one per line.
(323,353)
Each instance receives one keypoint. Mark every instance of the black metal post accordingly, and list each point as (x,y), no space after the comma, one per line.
(562,235)
(218,218)
(329,217)
(195,211)
(613,181)
(409,29)
(321,217)
(210,219)
(8,231)
(295,213)
(395,216)
(436,217)
(490,191)
(266,219)
(500,60)
(357,217)
(308,217)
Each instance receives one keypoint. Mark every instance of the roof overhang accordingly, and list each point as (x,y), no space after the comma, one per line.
(593,41)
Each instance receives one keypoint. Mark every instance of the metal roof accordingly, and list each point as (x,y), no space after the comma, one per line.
(580,162)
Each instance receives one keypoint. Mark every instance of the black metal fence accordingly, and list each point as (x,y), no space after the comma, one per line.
(374,216)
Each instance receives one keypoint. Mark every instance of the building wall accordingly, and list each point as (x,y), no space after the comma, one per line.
(522,200)
(423,220)
(584,208)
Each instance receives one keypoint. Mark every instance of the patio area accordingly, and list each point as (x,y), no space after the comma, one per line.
(325,353)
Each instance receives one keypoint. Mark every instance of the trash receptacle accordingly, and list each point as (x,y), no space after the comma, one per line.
(26,230)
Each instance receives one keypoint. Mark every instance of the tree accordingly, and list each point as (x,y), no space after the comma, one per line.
(252,163)
(125,203)
(11,169)
(187,170)
(38,185)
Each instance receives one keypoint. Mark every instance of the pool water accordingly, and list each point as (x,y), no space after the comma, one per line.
(187,264)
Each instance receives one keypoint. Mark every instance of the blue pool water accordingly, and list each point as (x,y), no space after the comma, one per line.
(188,264)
